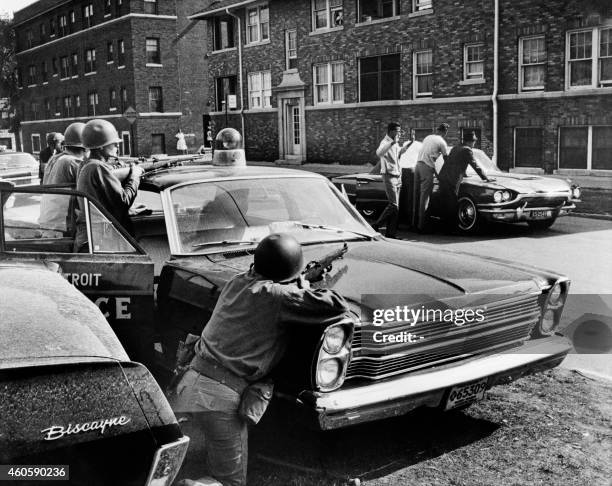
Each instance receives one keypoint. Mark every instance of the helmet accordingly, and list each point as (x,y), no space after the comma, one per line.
(99,133)
(228,148)
(279,257)
(73,134)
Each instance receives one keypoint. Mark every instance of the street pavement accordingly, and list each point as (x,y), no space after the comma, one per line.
(575,246)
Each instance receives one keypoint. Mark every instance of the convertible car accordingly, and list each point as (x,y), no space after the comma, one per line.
(511,197)
(73,407)
(429,327)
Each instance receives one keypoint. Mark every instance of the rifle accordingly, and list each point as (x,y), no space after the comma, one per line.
(315,270)
(122,168)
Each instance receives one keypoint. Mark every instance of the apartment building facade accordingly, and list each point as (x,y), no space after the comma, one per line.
(84,59)
(318,80)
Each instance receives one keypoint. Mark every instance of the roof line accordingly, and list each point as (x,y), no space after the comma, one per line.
(209,13)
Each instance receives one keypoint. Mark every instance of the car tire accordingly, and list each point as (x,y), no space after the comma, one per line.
(541,225)
(467,215)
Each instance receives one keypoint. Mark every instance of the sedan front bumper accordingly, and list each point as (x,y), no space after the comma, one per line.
(398,396)
(523,214)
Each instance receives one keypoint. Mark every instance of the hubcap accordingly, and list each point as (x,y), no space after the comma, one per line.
(467,214)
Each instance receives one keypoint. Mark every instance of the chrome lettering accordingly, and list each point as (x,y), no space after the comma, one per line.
(57,431)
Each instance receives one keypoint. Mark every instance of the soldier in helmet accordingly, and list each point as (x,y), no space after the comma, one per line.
(244,339)
(97,179)
(57,211)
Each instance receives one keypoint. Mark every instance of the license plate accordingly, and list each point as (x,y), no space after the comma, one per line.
(464,394)
(540,214)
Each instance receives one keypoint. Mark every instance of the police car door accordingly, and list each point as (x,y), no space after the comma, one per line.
(37,224)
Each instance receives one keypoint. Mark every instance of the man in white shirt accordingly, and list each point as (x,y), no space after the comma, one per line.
(434,145)
(389,152)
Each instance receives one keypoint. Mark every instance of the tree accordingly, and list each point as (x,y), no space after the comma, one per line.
(8,64)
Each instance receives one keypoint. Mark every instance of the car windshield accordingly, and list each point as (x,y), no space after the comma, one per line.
(483,161)
(243,211)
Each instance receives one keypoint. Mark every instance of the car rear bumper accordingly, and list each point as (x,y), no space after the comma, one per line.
(398,396)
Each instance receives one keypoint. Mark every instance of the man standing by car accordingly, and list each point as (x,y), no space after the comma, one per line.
(57,211)
(96,178)
(453,171)
(433,146)
(244,339)
(54,146)
(389,153)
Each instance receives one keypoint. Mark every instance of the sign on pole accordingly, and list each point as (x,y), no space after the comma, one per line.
(231,102)
(130,115)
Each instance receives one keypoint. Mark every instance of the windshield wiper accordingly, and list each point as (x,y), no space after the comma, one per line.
(331,228)
(223,243)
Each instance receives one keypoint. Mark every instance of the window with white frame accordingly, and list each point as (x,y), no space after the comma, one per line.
(88,16)
(112,99)
(64,67)
(121,52)
(585,147)
(150,7)
(589,58)
(369,10)
(107,7)
(258,24)
(532,62)
(379,78)
(326,14)
(223,32)
(473,61)
(125,147)
(423,73)
(92,103)
(291,49)
(153,51)
(528,146)
(110,54)
(420,5)
(156,101)
(63,25)
(260,90)
(36,142)
(328,83)
(90,61)
(75,64)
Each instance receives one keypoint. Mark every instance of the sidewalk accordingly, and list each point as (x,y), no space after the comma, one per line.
(596,191)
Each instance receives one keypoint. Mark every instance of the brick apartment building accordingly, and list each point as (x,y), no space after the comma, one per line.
(318,80)
(80,59)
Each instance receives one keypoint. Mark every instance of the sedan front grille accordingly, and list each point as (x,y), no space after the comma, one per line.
(507,323)
(545,202)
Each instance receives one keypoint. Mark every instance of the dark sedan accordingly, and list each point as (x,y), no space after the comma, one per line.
(510,197)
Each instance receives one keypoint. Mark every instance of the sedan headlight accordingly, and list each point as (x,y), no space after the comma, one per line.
(555,294)
(498,196)
(552,308)
(506,195)
(333,356)
(576,192)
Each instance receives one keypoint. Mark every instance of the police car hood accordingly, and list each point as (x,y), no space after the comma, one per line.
(391,268)
(44,318)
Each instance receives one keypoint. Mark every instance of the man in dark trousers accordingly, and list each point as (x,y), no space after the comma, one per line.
(453,172)
(244,340)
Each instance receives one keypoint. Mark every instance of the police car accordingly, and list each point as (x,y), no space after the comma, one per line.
(430,327)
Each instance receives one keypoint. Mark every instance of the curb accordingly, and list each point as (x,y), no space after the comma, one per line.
(604,217)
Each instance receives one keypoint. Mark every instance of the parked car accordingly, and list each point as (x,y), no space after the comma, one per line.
(511,197)
(200,229)
(19,168)
(72,404)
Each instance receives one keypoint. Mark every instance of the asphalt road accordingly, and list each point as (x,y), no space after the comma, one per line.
(580,248)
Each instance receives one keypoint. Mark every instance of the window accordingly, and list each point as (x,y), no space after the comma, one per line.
(35,142)
(110,54)
(92,103)
(153,54)
(158,143)
(329,83)
(90,61)
(260,90)
(75,64)
(258,24)
(72,21)
(43,32)
(31,75)
(291,49)
(107,7)
(125,147)
(29,39)
(224,86)
(58,106)
(88,16)
(67,105)
(589,58)
(34,111)
(150,7)
(379,78)
(420,5)
(55,66)
(585,147)
(124,99)
(528,147)
(223,33)
(423,77)
(532,59)
(121,52)
(377,9)
(156,102)
(77,105)
(112,99)
(52,28)
(326,14)
(473,66)
(64,67)
(63,25)
(44,72)
(48,111)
